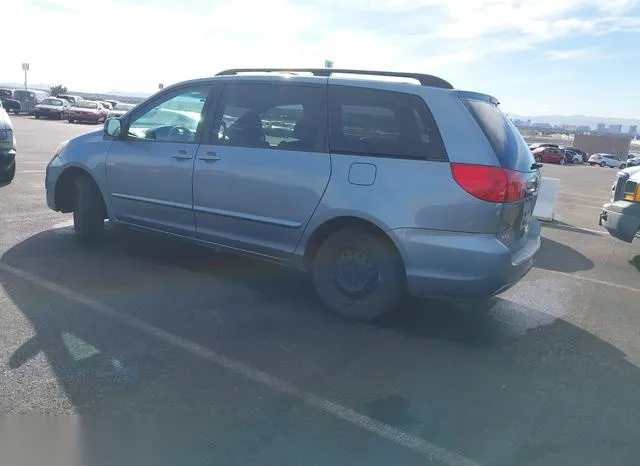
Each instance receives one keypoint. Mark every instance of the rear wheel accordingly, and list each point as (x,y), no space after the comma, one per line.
(538,159)
(38,117)
(88,212)
(592,163)
(624,165)
(603,164)
(8,176)
(71,120)
(358,274)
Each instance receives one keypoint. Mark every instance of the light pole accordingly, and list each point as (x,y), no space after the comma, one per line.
(25,68)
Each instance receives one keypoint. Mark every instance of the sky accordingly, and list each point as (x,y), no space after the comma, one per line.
(537,56)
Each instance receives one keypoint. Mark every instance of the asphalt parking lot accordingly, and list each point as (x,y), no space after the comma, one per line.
(174,355)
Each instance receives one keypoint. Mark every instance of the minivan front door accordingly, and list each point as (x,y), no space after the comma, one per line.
(265,168)
(150,170)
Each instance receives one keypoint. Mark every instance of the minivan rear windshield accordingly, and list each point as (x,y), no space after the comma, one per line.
(511,149)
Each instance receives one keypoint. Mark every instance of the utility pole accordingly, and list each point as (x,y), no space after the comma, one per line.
(25,68)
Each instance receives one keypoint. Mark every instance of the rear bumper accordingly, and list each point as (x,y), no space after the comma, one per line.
(75,116)
(464,265)
(621,219)
(7,159)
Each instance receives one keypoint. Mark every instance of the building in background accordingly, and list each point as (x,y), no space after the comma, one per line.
(615,129)
(601,128)
(610,144)
(633,130)
(583,129)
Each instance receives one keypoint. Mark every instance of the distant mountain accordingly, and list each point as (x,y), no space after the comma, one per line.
(142,95)
(577,120)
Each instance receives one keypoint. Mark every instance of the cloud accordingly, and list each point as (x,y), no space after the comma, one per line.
(570,54)
(120,44)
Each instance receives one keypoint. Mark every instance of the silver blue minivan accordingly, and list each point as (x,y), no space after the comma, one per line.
(377,183)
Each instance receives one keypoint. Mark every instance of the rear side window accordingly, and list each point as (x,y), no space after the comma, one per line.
(509,146)
(382,124)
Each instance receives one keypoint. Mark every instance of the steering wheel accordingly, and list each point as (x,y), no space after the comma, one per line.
(179,132)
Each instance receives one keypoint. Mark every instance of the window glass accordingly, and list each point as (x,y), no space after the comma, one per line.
(176,119)
(52,102)
(271,116)
(382,123)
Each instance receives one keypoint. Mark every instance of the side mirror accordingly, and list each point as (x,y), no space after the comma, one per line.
(113,127)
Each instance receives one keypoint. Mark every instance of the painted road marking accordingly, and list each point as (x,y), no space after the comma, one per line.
(397,436)
(594,280)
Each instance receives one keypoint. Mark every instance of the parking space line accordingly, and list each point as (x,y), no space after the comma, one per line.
(559,226)
(31,171)
(594,280)
(397,436)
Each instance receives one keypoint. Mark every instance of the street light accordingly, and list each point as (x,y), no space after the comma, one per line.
(25,68)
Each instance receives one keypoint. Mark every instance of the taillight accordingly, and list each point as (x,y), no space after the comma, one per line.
(492,184)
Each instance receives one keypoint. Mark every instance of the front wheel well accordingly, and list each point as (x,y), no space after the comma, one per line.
(339,223)
(65,189)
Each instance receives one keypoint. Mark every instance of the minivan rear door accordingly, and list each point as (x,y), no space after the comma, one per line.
(513,154)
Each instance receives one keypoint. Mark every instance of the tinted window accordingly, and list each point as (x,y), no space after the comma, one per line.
(52,102)
(382,123)
(506,141)
(271,116)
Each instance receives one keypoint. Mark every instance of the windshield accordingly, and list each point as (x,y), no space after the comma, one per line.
(5,93)
(86,104)
(53,102)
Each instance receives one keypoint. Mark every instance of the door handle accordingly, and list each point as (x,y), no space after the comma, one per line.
(181,155)
(209,157)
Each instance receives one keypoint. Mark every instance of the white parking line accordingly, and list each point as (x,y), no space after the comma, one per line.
(417,444)
(594,280)
(31,171)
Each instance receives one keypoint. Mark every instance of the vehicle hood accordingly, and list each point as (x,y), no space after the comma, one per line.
(49,107)
(86,110)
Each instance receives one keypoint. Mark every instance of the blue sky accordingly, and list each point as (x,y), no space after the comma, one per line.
(536,56)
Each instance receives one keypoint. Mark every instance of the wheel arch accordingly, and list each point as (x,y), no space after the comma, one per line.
(64,189)
(330,226)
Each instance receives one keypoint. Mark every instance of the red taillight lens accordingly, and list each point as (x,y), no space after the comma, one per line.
(492,184)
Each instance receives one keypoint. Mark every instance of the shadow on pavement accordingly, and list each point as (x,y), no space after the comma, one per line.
(561,258)
(508,385)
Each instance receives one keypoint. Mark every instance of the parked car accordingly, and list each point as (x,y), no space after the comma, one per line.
(27,100)
(549,155)
(537,145)
(112,102)
(8,102)
(72,99)
(621,216)
(87,110)
(571,156)
(585,156)
(327,200)
(606,160)
(52,107)
(633,160)
(106,105)
(7,149)
(120,109)
(5,94)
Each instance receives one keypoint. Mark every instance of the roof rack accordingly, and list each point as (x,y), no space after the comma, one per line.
(423,79)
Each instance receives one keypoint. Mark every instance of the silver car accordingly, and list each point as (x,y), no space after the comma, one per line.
(7,148)
(606,160)
(379,187)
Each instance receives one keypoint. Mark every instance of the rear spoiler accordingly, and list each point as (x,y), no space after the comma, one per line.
(468,95)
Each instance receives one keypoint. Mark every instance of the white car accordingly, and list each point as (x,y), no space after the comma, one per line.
(607,160)
(633,161)
(572,156)
(7,148)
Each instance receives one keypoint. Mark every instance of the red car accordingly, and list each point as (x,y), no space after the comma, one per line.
(549,155)
(87,110)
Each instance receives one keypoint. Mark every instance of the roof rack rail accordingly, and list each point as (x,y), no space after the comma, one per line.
(423,79)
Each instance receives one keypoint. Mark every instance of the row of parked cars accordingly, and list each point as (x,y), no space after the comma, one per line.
(554,153)
(61,107)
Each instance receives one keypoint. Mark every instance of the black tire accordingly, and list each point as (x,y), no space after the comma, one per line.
(592,163)
(37,117)
(538,159)
(70,120)
(603,164)
(623,166)
(8,176)
(88,212)
(350,255)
